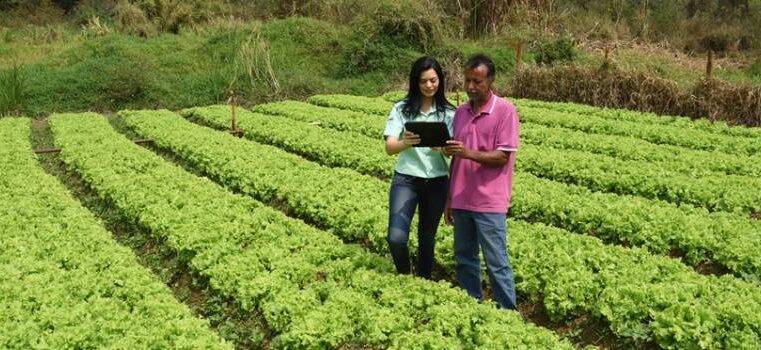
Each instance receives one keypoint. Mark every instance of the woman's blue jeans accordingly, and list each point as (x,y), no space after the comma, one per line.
(407,194)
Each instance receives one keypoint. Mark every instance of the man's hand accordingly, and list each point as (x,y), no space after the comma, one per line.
(456,148)
(410,139)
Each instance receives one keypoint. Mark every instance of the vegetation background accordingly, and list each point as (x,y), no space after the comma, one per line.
(76,55)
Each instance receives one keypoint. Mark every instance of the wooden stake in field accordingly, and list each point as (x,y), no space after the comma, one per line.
(606,50)
(709,87)
(519,55)
(233,103)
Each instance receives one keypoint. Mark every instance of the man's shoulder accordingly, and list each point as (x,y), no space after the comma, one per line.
(505,109)
(460,110)
(503,102)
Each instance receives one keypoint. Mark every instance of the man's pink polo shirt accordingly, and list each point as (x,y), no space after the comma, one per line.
(477,187)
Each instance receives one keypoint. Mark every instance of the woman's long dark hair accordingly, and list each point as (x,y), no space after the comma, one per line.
(414,99)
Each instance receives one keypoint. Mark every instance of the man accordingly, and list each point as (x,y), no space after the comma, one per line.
(483,150)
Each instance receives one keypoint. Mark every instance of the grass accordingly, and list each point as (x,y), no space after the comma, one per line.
(14,49)
(117,71)
(66,69)
(69,70)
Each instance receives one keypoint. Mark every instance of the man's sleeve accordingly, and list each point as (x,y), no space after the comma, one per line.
(394,124)
(507,136)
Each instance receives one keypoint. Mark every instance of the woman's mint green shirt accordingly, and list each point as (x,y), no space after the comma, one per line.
(419,161)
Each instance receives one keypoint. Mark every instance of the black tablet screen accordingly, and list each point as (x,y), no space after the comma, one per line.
(432,134)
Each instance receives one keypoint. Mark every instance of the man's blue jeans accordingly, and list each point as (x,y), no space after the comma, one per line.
(407,194)
(489,231)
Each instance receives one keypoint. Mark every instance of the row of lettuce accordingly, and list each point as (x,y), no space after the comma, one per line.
(312,290)
(654,133)
(582,276)
(548,153)
(663,228)
(64,282)
(704,125)
(670,157)
(641,296)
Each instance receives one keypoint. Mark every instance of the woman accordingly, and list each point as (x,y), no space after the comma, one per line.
(421,173)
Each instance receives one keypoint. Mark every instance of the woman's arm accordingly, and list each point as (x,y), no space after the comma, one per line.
(394,145)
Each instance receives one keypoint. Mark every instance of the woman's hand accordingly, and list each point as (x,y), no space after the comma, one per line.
(410,139)
(394,145)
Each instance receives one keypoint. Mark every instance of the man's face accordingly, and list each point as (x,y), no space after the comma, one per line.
(477,83)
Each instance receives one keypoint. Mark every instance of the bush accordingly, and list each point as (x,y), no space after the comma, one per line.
(754,70)
(147,18)
(735,104)
(365,55)
(604,88)
(344,10)
(453,56)
(87,9)
(717,42)
(723,39)
(302,86)
(547,52)
(127,81)
(133,21)
(304,33)
(389,33)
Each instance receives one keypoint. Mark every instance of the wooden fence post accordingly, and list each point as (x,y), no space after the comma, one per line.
(233,103)
(607,54)
(519,56)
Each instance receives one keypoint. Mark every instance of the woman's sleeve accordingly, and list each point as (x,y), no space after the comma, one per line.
(449,120)
(395,123)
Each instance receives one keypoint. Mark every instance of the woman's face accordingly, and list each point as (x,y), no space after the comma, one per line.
(429,83)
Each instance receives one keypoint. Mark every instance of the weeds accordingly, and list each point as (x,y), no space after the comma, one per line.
(95,27)
(253,57)
(12,91)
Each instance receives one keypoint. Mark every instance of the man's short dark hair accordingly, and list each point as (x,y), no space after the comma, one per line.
(481,59)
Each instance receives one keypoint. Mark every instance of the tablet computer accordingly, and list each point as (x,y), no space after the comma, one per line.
(432,134)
